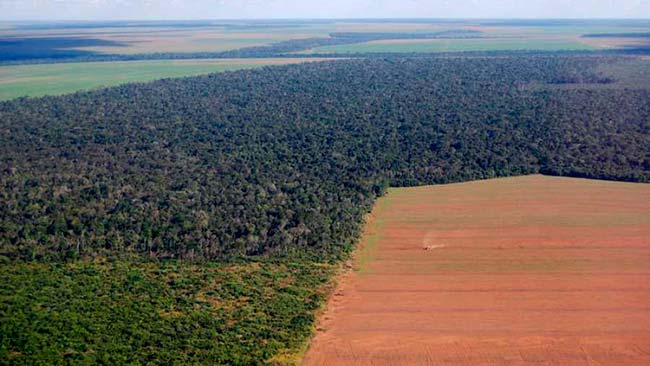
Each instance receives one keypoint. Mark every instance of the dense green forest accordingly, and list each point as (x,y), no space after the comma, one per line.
(287,160)
(270,173)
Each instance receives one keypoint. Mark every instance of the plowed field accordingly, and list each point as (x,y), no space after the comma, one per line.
(531,270)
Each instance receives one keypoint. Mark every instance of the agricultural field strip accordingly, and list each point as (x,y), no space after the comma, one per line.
(54,79)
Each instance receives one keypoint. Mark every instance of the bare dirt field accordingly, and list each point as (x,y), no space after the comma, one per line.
(531,270)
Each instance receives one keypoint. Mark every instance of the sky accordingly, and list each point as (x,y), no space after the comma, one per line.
(252,9)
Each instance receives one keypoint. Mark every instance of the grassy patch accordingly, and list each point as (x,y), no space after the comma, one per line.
(54,79)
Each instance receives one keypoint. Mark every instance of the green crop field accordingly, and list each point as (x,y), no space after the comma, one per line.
(53,79)
(455,45)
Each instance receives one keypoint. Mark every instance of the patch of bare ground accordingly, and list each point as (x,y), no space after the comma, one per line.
(524,271)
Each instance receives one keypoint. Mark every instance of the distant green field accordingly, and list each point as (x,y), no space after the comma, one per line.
(53,79)
(454,45)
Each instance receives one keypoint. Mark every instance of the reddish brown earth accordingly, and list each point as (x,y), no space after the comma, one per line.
(520,271)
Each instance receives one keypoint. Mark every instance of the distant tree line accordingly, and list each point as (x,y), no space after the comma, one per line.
(618,35)
(59,50)
(287,160)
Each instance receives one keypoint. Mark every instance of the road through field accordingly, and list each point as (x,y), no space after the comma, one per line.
(530,270)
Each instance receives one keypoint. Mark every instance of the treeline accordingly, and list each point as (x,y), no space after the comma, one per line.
(287,160)
(264,52)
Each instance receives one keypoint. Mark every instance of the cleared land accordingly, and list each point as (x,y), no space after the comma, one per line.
(53,79)
(170,39)
(196,41)
(532,270)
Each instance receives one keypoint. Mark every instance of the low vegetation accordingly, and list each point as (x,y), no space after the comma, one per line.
(134,312)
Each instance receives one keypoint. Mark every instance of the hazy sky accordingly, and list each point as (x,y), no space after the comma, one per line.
(232,9)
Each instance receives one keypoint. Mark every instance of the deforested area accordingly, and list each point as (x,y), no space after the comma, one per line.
(554,273)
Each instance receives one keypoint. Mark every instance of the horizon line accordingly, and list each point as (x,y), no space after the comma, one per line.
(317,18)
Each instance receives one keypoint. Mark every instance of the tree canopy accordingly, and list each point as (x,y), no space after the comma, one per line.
(287,160)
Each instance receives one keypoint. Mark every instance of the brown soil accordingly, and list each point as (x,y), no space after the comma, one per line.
(520,271)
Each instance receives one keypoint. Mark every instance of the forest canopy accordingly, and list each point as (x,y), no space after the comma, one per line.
(285,161)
